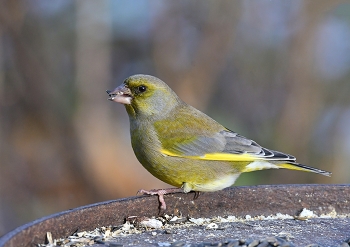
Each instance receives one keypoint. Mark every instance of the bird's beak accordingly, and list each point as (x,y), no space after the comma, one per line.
(121,94)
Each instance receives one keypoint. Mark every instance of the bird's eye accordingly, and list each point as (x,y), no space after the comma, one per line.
(142,88)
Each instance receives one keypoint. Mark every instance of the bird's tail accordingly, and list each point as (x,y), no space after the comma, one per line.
(300,167)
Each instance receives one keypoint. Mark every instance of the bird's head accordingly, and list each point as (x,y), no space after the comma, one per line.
(144,95)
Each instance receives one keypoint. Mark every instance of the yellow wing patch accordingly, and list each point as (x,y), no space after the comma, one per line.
(216,156)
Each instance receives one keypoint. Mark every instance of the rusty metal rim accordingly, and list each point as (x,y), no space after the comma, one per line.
(238,201)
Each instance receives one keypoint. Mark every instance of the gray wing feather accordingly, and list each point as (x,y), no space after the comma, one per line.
(236,143)
(227,141)
(201,146)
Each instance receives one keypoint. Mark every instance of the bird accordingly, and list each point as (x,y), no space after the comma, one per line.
(186,148)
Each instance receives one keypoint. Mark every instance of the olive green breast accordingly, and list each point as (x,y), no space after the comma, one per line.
(181,125)
(174,170)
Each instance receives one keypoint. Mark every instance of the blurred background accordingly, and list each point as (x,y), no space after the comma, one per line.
(275,71)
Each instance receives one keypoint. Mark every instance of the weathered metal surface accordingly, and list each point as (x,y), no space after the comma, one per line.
(238,201)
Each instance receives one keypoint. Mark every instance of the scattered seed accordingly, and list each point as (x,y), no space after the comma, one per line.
(49,237)
(212,226)
(151,223)
(111,235)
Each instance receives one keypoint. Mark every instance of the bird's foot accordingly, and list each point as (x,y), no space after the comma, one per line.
(161,193)
(196,194)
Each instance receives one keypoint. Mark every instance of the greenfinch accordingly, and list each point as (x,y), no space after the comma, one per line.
(184,147)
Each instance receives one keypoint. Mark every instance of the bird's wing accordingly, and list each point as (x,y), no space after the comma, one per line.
(190,133)
(237,144)
(224,145)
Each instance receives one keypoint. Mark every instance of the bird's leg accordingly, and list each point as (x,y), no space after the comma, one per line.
(161,193)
